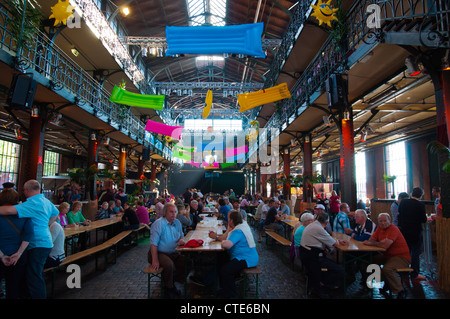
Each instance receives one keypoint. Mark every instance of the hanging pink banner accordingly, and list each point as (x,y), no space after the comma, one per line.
(160,128)
(212,166)
(236,151)
(193,164)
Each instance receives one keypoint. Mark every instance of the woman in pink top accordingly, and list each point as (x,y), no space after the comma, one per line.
(142,213)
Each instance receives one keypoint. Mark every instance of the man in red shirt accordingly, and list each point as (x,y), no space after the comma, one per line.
(396,256)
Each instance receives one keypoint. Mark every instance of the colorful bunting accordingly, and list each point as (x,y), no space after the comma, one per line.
(208,101)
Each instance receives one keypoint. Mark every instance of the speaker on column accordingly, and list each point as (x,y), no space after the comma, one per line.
(146,154)
(337,91)
(21,92)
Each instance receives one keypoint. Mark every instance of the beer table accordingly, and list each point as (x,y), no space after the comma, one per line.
(354,251)
(209,245)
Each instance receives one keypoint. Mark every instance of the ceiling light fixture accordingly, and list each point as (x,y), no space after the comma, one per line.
(412,66)
(18,133)
(75,52)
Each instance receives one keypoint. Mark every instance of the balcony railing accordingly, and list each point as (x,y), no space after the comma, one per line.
(432,21)
(65,76)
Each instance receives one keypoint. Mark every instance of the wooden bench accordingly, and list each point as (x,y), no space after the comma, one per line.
(93,251)
(152,273)
(280,239)
(136,232)
(251,272)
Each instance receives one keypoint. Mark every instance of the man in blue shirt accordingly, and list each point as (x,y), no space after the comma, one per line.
(166,235)
(42,212)
(341,222)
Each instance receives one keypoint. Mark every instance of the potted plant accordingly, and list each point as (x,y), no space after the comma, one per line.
(390,180)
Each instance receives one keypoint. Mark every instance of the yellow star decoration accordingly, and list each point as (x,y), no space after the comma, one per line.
(61,12)
(324,12)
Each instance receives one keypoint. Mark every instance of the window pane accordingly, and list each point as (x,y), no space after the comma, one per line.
(360,171)
(51,163)
(396,166)
(9,162)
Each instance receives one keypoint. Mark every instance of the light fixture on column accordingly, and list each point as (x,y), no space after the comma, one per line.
(412,66)
(107,140)
(123,149)
(18,133)
(292,142)
(363,136)
(326,120)
(319,153)
(35,111)
(307,139)
(346,115)
(93,137)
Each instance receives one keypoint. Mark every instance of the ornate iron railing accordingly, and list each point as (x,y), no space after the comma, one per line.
(431,19)
(65,76)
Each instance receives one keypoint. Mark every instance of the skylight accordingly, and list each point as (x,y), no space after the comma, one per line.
(206,12)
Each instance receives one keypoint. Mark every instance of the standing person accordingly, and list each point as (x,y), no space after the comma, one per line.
(394,207)
(437,201)
(411,216)
(166,235)
(40,210)
(335,202)
(15,236)
(263,208)
(187,196)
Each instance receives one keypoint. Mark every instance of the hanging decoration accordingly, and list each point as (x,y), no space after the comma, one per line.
(181,155)
(324,12)
(236,151)
(61,12)
(122,96)
(208,102)
(232,39)
(159,128)
(248,101)
(193,163)
(254,128)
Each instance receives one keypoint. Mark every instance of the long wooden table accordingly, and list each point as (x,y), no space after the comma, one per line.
(209,245)
(290,221)
(354,251)
(73,231)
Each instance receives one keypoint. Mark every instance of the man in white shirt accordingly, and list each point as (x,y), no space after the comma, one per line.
(315,241)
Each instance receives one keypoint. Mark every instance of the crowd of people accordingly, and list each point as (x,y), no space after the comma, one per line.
(400,237)
(32,234)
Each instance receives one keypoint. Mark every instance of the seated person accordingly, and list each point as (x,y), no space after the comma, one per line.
(305,219)
(364,226)
(57,254)
(183,216)
(63,210)
(313,245)
(341,223)
(242,252)
(272,219)
(166,235)
(104,212)
(142,213)
(236,206)
(389,237)
(118,208)
(75,217)
(129,218)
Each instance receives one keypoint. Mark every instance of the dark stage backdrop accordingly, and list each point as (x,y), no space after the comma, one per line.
(206,181)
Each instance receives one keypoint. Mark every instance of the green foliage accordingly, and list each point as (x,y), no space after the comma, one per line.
(32,22)
(438,148)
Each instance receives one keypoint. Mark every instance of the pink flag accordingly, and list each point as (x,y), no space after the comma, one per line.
(236,151)
(193,164)
(160,128)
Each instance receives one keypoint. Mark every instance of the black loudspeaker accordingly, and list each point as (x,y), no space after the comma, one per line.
(146,154)
(337,91)
(21,92)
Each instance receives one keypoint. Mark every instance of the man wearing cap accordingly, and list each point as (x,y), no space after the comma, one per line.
(321,209)
(42,213)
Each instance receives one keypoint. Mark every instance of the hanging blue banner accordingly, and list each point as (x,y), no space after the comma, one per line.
(234,39)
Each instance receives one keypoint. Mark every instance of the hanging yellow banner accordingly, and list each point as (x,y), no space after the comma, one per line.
(208,101)
(248,101)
